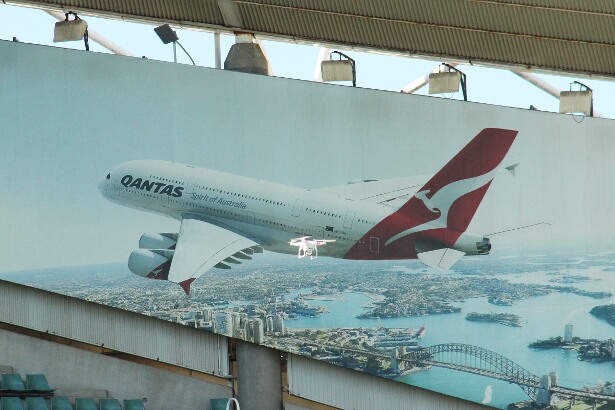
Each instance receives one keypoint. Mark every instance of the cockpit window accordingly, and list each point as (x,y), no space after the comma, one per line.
(108,176)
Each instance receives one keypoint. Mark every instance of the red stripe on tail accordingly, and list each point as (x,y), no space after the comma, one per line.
(442,209)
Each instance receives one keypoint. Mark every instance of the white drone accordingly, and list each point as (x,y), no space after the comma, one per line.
(308,247)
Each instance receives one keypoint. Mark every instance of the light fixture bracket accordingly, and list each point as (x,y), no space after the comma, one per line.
(71,30)
(448,81)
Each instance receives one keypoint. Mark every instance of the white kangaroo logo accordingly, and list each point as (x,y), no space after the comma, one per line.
(442,201)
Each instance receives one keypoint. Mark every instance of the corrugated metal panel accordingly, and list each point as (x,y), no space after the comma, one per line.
(546,20)
(348,389)
(575,36)
(434,40)
(204,12)
(114,328)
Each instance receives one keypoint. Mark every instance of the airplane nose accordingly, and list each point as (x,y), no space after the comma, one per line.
(102,186)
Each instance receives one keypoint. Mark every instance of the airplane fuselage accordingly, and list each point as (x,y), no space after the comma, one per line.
(272,212)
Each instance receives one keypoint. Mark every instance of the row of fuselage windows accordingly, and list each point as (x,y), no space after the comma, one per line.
(167,180)
(296,229)
(254,198)
(316,211)
(221,191)
(363,221)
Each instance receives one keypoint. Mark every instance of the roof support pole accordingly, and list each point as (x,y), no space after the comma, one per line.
(537,82)
(217,50)
(324,52)
(420,82)
(262,46)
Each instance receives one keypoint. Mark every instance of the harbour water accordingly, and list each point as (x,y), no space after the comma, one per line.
(544,317)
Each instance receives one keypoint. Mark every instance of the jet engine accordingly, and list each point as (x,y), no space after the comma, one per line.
(158,241)
(153,264)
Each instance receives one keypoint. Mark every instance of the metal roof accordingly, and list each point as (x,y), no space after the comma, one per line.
(570,36)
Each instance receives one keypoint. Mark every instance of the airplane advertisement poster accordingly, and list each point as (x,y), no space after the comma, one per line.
(460,247)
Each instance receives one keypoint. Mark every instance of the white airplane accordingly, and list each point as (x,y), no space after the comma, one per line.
(226,219)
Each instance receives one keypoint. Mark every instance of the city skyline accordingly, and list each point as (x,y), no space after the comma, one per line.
(533,287)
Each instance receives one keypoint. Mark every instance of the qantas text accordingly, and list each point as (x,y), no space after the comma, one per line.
(157,187)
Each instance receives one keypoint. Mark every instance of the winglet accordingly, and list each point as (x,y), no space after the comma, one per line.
(186,285)
(512,168)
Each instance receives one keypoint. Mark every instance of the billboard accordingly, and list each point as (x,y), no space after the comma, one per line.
(527,303)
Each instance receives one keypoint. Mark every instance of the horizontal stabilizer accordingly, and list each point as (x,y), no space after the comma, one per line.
(440,258)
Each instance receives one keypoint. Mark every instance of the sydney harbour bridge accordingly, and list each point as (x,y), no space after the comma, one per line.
(476,360)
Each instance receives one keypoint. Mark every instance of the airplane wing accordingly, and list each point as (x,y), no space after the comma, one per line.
(386,191)
(377,191)
(202,245)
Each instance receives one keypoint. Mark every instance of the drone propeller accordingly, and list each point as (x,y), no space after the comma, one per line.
(298,240)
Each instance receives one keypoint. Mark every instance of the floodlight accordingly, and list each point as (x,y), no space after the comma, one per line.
(168,35)
(447,81)
(580,101)
(339,70)
(71,30)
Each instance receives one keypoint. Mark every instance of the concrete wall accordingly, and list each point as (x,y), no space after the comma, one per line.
(116,329)
(69,368)
(260,383)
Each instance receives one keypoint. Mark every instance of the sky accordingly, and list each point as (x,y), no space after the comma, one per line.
(56,215)
(384,72)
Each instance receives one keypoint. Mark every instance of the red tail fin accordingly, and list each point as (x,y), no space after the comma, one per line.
(442,209)
(458,188)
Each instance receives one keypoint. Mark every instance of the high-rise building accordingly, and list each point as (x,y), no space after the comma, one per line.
(236,320)
(228,317)
(250,333)
(224,323)
(259,331)
(278,323)
(207,314)
(245,329)
(269,327)
(568,333)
